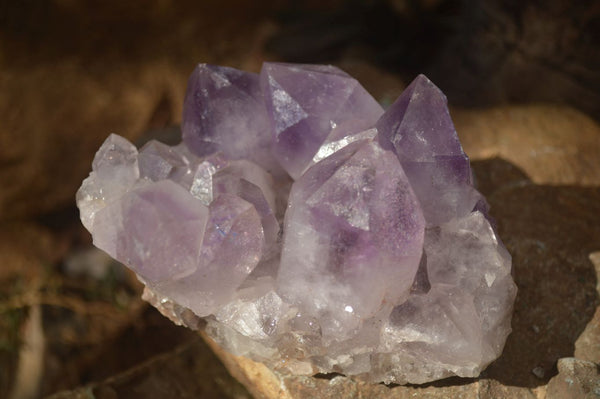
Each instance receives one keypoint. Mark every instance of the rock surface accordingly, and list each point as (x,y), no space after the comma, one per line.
(545,327)
(576,379)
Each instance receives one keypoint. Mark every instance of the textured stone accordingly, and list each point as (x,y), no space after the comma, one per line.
(576,379)
(551,144)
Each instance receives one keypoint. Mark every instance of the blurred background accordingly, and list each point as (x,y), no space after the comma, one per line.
(71,72)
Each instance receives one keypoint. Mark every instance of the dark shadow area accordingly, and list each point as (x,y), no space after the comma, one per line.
(550,232)
(446,382)
(189,371)
(480,53)
(327,376)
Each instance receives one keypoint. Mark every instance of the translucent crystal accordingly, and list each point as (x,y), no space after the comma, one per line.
(418,128)
(354,234)
(224,111)
(192,228)
(387,267)
(309,103)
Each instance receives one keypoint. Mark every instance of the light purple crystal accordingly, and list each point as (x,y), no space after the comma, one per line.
(418,128)
(175,218)
(386,268)
(354,234)
(309,103)
(224,111)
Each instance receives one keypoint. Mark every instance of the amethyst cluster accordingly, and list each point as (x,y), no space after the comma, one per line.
(309,228)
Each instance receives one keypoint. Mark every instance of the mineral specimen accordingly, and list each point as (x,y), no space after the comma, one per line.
(309,229)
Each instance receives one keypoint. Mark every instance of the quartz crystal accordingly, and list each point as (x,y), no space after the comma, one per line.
(302,226)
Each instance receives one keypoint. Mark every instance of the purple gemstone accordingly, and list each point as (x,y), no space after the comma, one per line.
(162,225)
(388,266)
(308,103)
(354,234)
(418,128)
(224,111)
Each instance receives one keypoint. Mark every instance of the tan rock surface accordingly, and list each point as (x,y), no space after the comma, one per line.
(552,144)
(550,228)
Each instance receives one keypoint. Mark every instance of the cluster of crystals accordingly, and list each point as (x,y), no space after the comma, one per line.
(310,229)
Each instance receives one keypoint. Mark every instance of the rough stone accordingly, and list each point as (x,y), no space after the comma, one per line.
(576,379)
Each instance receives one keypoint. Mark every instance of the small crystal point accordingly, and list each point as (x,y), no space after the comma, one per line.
(158,161)
(418,126)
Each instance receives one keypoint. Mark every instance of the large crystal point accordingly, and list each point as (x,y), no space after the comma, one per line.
(224,111)
(354,234)
(418,128)
(308,103)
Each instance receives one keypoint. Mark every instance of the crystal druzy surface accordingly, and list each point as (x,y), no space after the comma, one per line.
(310,229)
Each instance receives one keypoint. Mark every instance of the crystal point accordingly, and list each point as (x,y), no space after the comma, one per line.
(419,129)
(308,103)
(337,232)
(224,111)
(378,261)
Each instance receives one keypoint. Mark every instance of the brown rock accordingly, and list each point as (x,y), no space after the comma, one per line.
(75,76)
(552,144)
(587,346)
(576,379)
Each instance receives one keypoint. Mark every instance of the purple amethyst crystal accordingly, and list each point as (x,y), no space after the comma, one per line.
(309,105)
(377,261)
(418,128)
(354,234)
(224,111)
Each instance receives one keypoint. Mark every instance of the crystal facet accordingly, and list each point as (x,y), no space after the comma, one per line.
(378,261)
(310,105)
(224,111)
(418,128)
